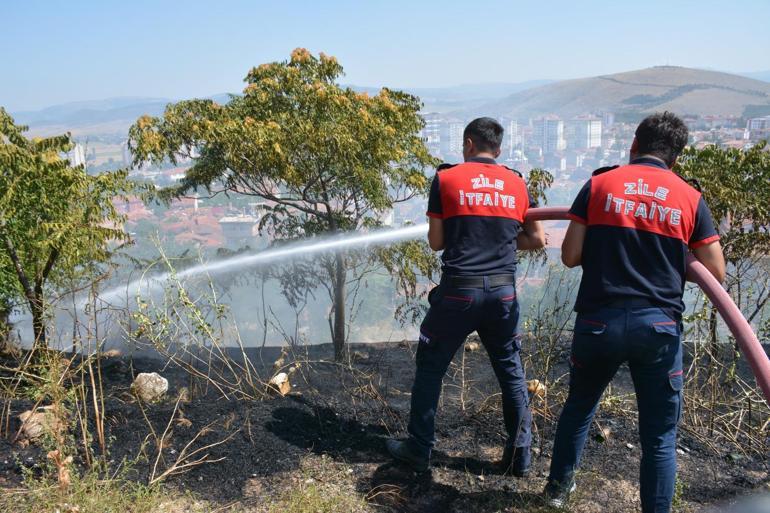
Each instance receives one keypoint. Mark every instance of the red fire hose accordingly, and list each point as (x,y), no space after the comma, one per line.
(697,272)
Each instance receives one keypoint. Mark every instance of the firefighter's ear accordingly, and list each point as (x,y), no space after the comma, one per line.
(497,153)
(468,148)
(634,150)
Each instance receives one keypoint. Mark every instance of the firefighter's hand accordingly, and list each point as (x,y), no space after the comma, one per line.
(532,236)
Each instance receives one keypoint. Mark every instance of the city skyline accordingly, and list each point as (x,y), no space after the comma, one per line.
(90,50)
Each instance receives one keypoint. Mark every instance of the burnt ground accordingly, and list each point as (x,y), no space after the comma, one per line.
(330,430)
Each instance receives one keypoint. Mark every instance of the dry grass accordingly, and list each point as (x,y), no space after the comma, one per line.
(88,493)
(316,498)
(322,486)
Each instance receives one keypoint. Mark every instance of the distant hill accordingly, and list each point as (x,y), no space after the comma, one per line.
(681,90)
(117,114)
(94,111)
(111,115)
(465,96)
(757,75)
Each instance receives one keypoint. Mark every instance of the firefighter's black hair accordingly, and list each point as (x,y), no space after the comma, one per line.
(663,135)
(486,134)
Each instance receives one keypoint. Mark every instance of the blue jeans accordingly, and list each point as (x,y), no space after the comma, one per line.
(455,313)
(650,342)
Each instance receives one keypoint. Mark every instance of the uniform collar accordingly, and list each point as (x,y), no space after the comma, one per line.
(648,161)
(482,160)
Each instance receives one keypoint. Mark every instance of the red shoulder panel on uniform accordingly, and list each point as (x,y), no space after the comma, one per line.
(644,198)
(479,189)
(603,170)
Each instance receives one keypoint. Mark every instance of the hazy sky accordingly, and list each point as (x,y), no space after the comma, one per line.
(59,51)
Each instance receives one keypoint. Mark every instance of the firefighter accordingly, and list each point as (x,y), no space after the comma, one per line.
(476,214)
(631,229)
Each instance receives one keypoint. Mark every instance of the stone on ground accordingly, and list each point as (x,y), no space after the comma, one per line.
(35,424)
(149,386)
(280,383)
(472,346)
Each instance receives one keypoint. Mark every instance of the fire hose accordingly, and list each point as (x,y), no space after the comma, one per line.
(696,272)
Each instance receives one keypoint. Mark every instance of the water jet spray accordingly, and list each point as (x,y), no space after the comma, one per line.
(306,247)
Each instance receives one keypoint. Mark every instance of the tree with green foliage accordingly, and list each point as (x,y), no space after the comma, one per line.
(736,187)
(327,158)
(57,222)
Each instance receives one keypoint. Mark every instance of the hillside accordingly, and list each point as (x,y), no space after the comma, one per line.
(115,115)
(758,75)
(95,117)
(93,111)
(682,90)
(468,96)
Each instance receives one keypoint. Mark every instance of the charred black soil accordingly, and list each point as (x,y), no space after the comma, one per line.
(332,426)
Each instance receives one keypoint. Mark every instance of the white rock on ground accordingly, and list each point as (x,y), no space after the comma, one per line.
(472,346)
(149,386)
(280,383)
(35,424)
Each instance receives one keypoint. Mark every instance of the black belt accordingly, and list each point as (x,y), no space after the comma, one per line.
(631,302)
(634,302)
(477,282)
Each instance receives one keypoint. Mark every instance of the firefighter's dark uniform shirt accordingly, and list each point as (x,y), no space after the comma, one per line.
(641,219)
(482,205)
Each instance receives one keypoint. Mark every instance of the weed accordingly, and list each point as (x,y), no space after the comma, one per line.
(89,492)
(314,498)
(677,502)
(320,490)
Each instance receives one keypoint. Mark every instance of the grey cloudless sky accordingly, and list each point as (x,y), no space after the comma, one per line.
(60,51)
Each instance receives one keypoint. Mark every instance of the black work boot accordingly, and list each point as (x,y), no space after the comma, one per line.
(402,452)
(516,461)
(556,495)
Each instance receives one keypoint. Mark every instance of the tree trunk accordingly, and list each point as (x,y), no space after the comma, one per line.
(38,323)
(340,278)
(34,295)
(5,325)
